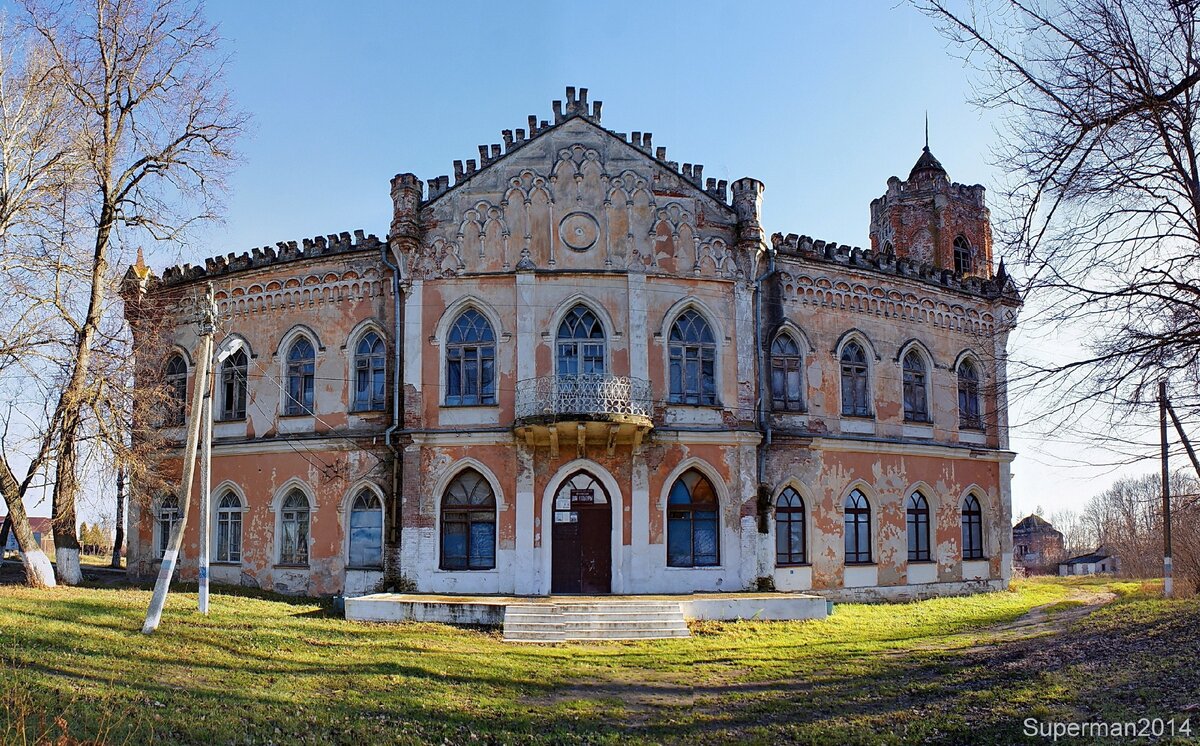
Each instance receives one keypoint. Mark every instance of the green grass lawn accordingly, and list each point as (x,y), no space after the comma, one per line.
(260,670)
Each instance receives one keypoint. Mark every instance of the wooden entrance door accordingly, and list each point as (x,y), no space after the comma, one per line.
(581,540)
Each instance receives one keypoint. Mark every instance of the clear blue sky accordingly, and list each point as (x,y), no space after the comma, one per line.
(822,101)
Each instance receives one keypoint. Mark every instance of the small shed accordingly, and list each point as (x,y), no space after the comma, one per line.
(1101,561)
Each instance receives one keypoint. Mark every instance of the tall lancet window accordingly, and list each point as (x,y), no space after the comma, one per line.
(580,344)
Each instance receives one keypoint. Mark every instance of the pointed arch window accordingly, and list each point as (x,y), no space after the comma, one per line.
(856,393)
(787,377)
(370,374)
(581,344)
(168,518)
(917,510)
(790,529)
(693,539)
(916,388)
(366,530)
(234,374)
(470,361)
(301,375)
(858,528)
(176,378)
(294,522)
(970,413)
(972,529)
(229,528)
(469,523)
(692,351)
(963,262)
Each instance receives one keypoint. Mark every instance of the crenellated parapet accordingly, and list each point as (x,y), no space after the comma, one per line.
(575,105)
(283,252)
(1001,286)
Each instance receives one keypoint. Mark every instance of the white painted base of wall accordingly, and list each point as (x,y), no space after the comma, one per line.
(855,576)
(398,607)
(361,582)
(909,592)
(793,578)
(777,607)
(976,569)
(225,574)
(921,573)
(292,581)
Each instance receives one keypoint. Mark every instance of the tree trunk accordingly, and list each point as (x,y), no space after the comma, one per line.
(119,532)
(65,519)
(70,415)
(38,571)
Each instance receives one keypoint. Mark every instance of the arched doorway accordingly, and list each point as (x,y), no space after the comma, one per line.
(581,540)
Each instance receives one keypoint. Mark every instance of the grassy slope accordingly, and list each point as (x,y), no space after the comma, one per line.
(259,670)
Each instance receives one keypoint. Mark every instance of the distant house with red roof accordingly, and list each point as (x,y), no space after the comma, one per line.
(41,532)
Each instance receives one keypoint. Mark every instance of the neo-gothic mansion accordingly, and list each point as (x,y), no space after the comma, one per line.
(581,368)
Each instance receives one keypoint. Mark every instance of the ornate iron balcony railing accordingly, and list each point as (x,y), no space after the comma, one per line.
(589,395)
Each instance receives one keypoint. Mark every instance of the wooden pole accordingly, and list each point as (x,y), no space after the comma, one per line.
(171,555)
(1166,488)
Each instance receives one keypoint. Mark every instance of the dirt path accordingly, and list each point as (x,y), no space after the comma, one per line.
(653,693)
(1041,621)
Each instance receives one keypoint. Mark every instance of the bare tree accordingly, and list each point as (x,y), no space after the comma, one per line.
(115,128)
(156,135)
(1099,110)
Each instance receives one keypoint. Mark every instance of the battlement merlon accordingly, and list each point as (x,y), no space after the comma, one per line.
(283,252)
(574,105)
(1001,287)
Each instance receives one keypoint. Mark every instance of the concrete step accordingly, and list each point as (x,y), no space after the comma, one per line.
(628,620)
(633,634)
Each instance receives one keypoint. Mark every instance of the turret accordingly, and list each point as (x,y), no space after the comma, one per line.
(747,203)
(932,220)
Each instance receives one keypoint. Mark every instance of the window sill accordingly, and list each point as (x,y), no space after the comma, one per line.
(380,410)
(229,420)
(226,564)
(860,564)
(467,569)
(287,566)
(792,564)
(921,562)
(909,421)
(694,567)
(295,415)
(974,559)
(858,416)
(366,568)
(469,406)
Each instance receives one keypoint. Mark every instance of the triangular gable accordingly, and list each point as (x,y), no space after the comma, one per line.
(494,155)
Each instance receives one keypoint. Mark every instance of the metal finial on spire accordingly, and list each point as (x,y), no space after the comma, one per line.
(927,130)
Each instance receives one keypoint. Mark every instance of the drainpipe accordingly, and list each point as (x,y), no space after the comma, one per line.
(397,397)
(764,422)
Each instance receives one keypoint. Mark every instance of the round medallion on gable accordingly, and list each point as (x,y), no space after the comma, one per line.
(579,231)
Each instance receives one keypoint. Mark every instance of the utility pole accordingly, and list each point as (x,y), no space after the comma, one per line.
(1166,488)
(205,486)
(200,390)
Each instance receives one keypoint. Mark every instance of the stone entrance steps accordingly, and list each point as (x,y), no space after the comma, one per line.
(594,620)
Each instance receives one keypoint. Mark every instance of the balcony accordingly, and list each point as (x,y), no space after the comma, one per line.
(595,409)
